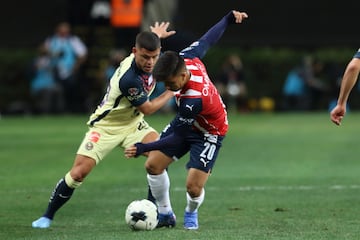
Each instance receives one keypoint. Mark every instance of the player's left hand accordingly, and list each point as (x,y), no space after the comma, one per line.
(239,16)
(337,114)
(160,29)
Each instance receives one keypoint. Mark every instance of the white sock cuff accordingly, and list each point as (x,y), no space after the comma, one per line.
(71,182)
(202,196)
(193,204)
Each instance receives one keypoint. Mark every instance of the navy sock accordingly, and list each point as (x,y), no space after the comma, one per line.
(60,195)
(150,196)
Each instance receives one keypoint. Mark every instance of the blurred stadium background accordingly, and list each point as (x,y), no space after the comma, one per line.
(270,43)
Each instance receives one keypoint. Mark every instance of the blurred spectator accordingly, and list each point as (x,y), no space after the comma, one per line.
(231,85)
(115,57)
(294,91)
(100,12)
(313,75)
(333,72)
(303,87)
(69,54)
(158,11)
(46,93)
(167,11)
(125,18)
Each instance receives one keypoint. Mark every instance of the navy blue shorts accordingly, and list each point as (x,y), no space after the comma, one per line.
(203,148)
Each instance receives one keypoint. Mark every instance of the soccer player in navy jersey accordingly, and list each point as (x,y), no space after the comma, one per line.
(119,120)
(199,127)
(348,81)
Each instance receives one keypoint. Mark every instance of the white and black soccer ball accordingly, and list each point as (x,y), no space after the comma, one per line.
(141,215)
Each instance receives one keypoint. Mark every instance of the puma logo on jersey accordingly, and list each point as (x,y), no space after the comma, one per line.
(190,107)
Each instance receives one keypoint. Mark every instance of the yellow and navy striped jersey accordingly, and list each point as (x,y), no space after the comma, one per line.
(128,88)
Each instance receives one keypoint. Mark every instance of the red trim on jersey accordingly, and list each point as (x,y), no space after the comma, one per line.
(213,117)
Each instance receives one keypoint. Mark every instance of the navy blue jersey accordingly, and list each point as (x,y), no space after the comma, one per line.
(136,85)
(357,54)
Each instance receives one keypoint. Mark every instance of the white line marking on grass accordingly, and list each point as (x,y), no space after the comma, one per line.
(337,187)
(280,188)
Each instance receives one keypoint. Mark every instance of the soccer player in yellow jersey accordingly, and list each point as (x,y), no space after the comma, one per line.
(119,118)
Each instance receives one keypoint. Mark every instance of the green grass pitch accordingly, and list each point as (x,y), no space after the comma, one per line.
(278,176)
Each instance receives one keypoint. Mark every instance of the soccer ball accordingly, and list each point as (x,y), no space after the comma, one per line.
(141,215)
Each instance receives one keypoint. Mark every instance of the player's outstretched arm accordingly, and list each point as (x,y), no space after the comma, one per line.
(160,29)
(150,107)
(212,36)
(215,32)
(163,143)
(347,83)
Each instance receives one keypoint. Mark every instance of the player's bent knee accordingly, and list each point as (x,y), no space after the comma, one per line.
(150,169)
(153,169)
(82,167)
(71,182)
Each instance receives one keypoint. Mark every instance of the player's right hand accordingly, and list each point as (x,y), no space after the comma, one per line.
(130,151)
(160,29)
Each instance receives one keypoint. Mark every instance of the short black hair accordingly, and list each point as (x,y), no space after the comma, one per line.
(148,40)
(169,64)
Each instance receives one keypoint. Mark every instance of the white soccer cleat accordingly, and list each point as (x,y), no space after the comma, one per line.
(42,222)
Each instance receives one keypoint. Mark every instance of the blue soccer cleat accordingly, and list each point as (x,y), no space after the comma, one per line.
(42,222)
(191,220)
(166,220)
